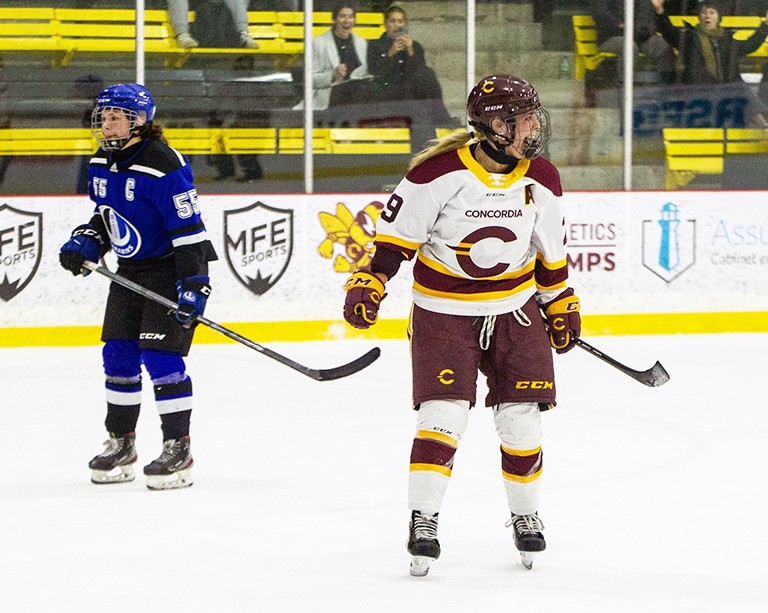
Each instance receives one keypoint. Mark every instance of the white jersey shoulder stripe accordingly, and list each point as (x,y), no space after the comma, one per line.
(190,239)
(179,155)
(146,170)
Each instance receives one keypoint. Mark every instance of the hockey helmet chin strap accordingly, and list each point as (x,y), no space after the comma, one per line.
(496,150)
(497,155)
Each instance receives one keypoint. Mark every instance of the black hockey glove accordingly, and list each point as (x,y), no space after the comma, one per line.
(85,244)
(193,294)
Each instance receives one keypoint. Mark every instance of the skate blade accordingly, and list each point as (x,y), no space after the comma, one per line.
(175,481)
(526,557)
(420,565)
(119,474)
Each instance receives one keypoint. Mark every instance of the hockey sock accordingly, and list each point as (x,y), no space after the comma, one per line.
(123,404)
(175,425)
(174,403)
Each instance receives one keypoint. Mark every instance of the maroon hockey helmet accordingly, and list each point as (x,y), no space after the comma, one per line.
(507,97)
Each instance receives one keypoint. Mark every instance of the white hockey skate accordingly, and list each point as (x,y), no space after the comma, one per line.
(171,470)
(115,463)
(422,542)
(528,537)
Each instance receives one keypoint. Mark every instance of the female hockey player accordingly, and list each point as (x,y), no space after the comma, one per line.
(481,214)
(147,213)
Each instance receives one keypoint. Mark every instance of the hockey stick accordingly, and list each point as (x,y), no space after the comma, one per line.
(326,374)
(655,376)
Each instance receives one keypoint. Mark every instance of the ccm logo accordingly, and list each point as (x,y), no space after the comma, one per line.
(151,336)
(534,385)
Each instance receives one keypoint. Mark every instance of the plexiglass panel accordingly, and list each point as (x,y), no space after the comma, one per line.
(228,80)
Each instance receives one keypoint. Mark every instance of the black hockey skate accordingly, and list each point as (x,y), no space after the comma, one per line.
(528,537)
(172,469)
(115,463)
(422,542)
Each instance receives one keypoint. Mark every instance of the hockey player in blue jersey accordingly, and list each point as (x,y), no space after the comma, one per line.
(147,213)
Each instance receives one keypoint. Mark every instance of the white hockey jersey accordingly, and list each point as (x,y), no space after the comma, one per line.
(484,242)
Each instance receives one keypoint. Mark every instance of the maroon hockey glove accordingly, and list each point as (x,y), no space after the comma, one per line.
(364,293)
(563,321)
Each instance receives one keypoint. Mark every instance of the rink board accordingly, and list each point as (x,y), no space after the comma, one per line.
(642,262)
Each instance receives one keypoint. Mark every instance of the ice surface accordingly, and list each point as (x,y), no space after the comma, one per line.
(654,499)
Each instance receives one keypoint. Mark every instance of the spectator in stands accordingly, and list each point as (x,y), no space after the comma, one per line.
(397,63)
(178,11)
(609,24)
(340,65)
(708,53)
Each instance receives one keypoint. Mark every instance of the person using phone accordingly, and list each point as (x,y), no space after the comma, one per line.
(398,65)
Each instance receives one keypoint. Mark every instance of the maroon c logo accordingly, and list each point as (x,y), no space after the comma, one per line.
(465,260)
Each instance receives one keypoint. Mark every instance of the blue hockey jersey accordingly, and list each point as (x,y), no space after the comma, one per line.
(146,203)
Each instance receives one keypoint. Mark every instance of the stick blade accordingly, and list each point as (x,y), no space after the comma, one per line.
(330,374)
(655,376)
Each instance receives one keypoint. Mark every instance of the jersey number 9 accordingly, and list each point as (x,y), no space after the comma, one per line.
(392,208)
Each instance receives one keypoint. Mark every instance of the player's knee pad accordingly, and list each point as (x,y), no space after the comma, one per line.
(173,388)
(163,366)
(447,417)
(440,425)
(121,359)
(519,428)
(518,425)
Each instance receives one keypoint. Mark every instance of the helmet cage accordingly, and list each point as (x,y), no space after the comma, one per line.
(113,143)
(132,99)
(534,144)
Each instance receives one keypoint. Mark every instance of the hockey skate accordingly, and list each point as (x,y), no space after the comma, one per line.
(528,537)
(115,463)
(422,542)
(172,469)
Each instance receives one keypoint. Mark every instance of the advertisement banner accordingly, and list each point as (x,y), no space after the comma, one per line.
(668,252)
(285,258)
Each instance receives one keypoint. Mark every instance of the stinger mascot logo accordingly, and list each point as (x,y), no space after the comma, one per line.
(258,243)
(349,236)
(21,242)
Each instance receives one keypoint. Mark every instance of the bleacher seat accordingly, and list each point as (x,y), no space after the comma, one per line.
(702,151)
(60,35)
(199,141)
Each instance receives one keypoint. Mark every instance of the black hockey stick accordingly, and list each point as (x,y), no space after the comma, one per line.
(325,374)
(655,376)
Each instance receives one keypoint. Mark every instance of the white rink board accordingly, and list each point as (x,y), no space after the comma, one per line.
(713,258)
(721,264)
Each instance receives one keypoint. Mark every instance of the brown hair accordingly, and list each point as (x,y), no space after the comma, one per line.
(394,8)
(154,131)
(342,4)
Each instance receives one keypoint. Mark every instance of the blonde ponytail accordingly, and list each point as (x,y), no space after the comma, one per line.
(455,140)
